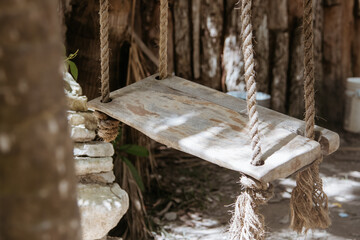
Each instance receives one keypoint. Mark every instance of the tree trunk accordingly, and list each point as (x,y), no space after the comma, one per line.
(37,179)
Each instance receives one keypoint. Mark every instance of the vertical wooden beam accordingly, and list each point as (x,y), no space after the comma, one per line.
(195,13)
(182,39)
(261,44)
(278,26)
(278,15)
(318,52)
(232,58)
(211,42)
(356,47)
(296,82)
(279,71)
(338,27)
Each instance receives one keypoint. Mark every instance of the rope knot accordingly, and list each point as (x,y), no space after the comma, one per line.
(108,127)
(247,222)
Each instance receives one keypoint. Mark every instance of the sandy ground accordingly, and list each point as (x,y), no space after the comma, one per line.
(195,197)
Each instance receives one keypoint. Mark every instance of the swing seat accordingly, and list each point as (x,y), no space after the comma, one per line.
(213,126)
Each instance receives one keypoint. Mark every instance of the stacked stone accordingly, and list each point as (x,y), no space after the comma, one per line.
(102,202)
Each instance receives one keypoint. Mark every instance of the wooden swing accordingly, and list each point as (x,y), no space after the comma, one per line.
(213,126)
(210,124)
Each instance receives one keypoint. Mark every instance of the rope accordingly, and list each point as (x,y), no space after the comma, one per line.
(309,206)
(104,50)
(107,126)
(248,52)
(163,39)
(247,223)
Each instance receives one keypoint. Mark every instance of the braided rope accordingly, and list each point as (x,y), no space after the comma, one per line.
(104,50)
(163,39)
(309,78)
(107,126)
(247,223)
(248,52)
(309,206)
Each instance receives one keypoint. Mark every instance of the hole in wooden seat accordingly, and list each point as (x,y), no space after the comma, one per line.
(110,100)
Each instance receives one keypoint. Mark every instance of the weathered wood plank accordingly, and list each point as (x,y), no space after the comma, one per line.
(212,131)
(329,140)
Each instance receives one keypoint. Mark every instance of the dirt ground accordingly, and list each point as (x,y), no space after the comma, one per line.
(195,197)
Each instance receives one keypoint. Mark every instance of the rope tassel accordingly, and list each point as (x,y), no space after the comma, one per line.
(247,223)
(309,203)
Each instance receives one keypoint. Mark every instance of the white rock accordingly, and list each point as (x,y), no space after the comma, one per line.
(170,216)
(82,118)
(76,103)
(104,177)
(101,208)
(81,134)
(71,85)
(87,165)
(93,149)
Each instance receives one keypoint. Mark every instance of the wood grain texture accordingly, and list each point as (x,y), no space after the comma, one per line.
(208,124)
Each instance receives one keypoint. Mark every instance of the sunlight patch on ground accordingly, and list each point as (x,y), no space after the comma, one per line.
(313,235)
(202,229)
(342,190)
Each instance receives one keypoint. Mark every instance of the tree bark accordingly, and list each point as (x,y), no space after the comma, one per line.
(37,179)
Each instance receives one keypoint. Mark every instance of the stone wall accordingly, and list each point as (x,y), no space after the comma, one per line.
(101,201)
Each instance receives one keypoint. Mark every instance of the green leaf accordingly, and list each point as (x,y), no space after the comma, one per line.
(134,150)
(134,173)
(73,69)
(73,55)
